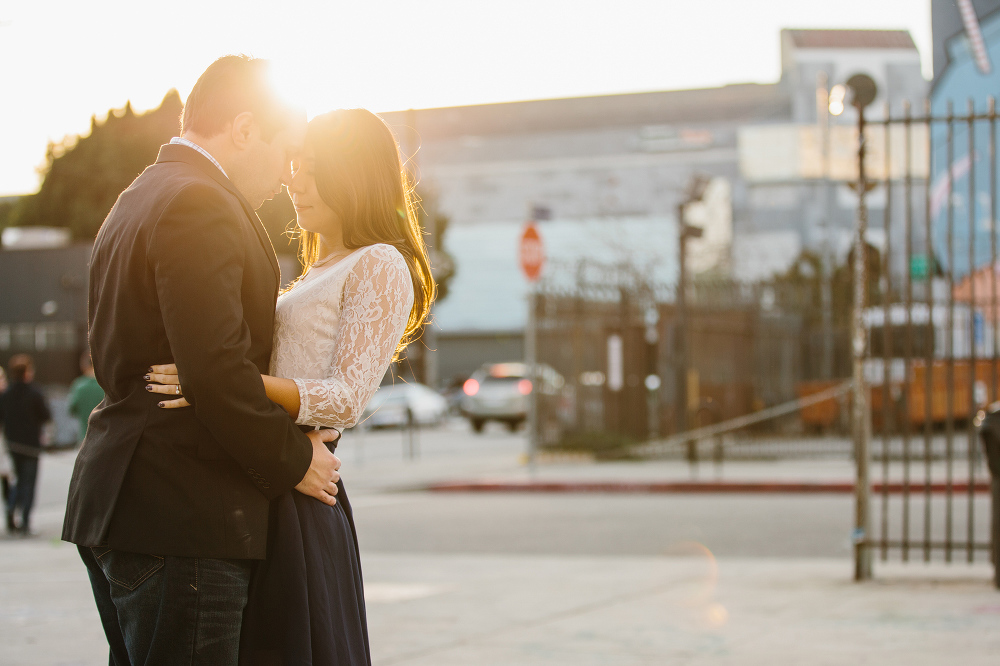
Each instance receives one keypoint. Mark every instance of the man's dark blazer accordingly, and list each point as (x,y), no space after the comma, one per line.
(182,271)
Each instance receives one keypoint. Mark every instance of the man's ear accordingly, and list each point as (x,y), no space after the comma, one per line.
(244,129)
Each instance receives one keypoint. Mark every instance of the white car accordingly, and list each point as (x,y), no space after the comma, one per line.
(500,392)
(403,403)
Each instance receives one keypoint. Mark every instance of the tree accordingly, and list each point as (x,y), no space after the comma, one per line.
(85,174)
(435,226)
(799,289)
(7,211)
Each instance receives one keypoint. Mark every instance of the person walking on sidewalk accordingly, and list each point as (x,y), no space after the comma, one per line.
(23,411)
(85,394)
(6,471)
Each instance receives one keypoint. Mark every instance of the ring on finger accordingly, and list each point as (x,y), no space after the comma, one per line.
(177,389)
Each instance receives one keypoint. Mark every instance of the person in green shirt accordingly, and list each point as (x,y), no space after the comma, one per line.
(84,395)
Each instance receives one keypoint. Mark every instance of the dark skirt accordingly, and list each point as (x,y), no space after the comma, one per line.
(306,602)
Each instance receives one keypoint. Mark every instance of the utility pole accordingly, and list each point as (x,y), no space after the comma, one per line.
(681,406)
(531,256)
(694,192)
(864,91)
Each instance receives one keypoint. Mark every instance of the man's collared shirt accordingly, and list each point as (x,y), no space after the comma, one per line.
(179,140)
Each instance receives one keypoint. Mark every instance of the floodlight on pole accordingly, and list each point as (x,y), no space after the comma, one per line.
(837,95)
(863,90)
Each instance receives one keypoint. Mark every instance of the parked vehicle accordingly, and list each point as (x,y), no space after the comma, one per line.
(453,392)
(500,392)
(402,404)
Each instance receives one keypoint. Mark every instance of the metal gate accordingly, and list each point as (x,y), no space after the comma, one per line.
(930,322)
(612,334)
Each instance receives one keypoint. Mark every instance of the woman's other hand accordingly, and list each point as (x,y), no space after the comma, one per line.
(163,379)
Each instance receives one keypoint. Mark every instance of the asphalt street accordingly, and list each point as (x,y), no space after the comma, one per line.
(392,517)
(590,524)
(377,472)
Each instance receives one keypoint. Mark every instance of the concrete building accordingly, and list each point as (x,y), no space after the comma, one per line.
(609,172)
(43,308)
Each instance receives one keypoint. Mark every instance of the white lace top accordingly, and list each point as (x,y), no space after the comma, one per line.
(336,330)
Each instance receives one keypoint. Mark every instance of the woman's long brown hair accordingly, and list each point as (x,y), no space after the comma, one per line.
(360,175)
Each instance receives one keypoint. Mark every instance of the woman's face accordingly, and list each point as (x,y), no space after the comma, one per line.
(311,212)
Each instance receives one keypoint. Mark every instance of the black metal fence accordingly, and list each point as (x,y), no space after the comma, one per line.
(929,350)
(933,349)
(613,335)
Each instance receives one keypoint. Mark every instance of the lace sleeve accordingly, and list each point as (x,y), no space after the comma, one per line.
(377,299)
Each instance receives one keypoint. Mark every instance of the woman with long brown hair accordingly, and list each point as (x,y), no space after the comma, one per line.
(364,294)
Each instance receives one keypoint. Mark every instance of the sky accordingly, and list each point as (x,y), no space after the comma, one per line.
(62,62)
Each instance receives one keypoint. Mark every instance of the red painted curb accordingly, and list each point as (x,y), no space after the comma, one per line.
(762,487)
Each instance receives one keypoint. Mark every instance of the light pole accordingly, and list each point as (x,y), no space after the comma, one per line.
(863,91)
(693,193)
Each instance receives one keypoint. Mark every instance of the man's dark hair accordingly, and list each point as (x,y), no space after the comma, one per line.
(19,366)
(232,85)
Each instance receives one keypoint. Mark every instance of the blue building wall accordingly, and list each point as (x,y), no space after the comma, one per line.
(962,86)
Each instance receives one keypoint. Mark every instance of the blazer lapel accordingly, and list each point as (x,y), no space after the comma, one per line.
(171,152)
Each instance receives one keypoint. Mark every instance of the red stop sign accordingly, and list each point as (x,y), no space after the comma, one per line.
(531,252)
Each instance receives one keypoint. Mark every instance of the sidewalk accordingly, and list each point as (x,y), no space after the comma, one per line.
(460,610)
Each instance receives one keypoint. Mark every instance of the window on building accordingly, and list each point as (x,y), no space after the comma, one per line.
(58,335)
(22,337)
(48,336)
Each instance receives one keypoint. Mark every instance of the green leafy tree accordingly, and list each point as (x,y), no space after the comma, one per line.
(85,174)
(843,284)
(7,211)
(799,289)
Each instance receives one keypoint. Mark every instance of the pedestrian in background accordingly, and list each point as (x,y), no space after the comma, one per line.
(23,411)
(84,395)
(5,468)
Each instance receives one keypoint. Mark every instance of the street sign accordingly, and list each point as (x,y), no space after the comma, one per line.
(531,252)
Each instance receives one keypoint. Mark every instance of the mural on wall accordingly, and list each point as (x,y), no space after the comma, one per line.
(961,150)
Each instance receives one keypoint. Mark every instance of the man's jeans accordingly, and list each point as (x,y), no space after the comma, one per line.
(22,494)
(168,610)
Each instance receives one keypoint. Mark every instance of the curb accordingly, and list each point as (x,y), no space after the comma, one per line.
(696,487)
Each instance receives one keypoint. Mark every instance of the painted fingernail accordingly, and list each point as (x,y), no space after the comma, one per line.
(149,369)
(148,387)
(160,404)
(146,377)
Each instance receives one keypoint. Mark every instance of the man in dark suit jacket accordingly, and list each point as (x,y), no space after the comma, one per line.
(170,507)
